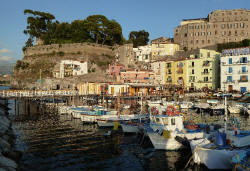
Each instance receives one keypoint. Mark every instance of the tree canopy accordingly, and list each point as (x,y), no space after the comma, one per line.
(95,29)
(229,45)
(139,38)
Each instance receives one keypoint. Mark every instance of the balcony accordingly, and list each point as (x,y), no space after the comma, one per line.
(228,73)
(204,81)
(204,73)
(206,64)
(243,72)
(235,63)
(243,81)
(228,82)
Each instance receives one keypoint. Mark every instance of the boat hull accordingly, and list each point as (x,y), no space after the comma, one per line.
(161,143)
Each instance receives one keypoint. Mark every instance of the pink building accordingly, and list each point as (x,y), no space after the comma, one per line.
(115,70)
(136,76)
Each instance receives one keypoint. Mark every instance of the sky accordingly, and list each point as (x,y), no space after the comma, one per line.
(158,17)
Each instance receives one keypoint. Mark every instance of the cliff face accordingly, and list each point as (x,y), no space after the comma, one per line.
(45,57)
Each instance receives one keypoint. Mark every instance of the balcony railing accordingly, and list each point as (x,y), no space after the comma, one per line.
(243,80)
(243,72)
(228,73)
(229,82)
(206,65)
(204,73)
(235,63)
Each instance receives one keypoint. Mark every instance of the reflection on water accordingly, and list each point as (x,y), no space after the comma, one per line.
(59,142)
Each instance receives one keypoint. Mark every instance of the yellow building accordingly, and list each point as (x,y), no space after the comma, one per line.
(163,47)
(89,88)
(203,70)
(176,73)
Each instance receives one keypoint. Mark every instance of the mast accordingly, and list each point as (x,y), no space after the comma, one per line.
(225,113)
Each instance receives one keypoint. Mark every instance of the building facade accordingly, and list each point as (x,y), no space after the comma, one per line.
(203,70)
(221,26)
(143,53)
(114,70)
(70,68)
(159,68)
(136,76)
(163,47)
(235,67)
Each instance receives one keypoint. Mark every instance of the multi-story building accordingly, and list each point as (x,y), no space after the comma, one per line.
(196,71)
(143,53)
(70,68)
(159,68)
(114,70)
(163,47)
(221,26)
(203,70)
(136,76)
(235,69)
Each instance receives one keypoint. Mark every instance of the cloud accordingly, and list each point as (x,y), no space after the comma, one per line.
(4,50)
(5,58)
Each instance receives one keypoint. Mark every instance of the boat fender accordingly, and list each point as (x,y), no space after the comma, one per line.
(166,134)
(171,110)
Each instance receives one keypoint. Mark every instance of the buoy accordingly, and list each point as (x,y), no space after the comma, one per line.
(116,125)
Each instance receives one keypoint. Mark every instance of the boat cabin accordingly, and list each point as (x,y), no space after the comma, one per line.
(170,123)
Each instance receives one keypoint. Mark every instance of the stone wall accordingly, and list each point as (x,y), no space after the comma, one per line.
(83,48)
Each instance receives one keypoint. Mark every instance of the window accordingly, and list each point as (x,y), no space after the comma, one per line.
(230,70)
(243,78)
(230,61)
(206,71)
(243,69)
(243,60)
(205,79)
(208,41)
(203,41)
(192,71)
(229,78)
(235,32)
(192,64)
(235,25)
(229,26)
(209,33)
(197,41)
(242,25)
(215,32)
(222,26)
(208,54)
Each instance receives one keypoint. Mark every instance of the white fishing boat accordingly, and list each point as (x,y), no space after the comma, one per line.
(108,121)
(166,126)
(130,127)
(218,155)
(186,105)
(154,103)
(211,155)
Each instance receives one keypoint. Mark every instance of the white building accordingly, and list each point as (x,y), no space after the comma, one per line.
(235,67)
(72,68)
(143,53)
(159,68)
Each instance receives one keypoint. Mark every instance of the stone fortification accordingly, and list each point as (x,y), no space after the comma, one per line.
(83,48)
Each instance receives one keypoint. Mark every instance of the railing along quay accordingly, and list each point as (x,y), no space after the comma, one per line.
(36,93)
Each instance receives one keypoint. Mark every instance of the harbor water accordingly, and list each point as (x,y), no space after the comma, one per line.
(60,142)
